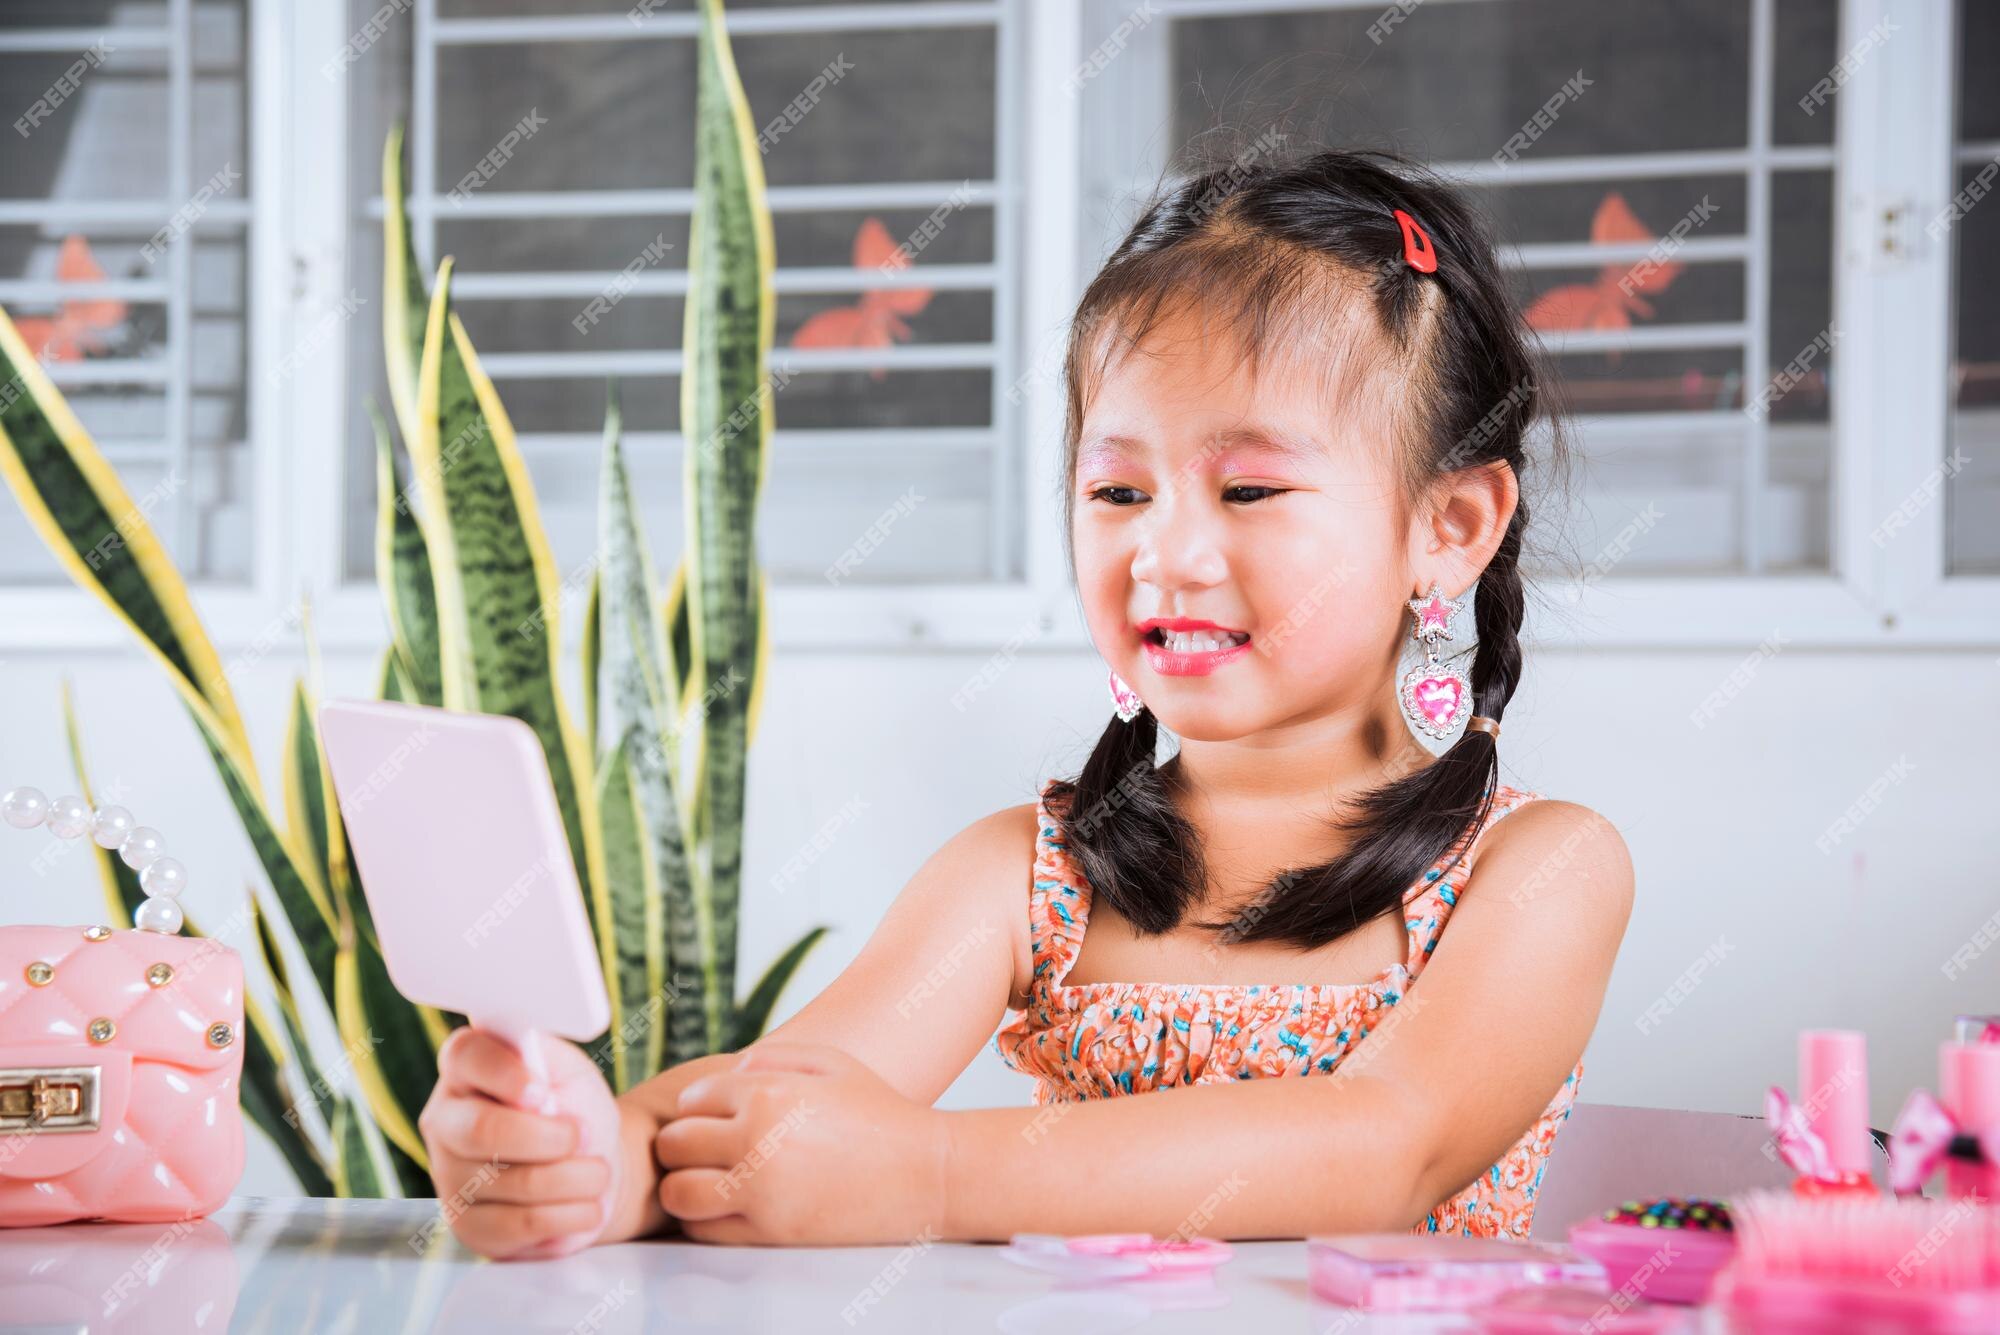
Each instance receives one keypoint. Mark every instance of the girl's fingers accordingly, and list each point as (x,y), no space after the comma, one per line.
(697,1193)
(718,1095)
(502,1230)
(475,1062)
(478,1128)
(529,1184)
(698,1142)
(567,1062)
(732,1230)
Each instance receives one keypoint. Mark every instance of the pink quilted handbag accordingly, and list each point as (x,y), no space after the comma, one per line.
(120,1053)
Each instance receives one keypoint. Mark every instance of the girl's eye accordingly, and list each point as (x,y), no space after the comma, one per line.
(1272,491)
(1099,495)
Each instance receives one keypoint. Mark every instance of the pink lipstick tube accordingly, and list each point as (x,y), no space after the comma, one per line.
(1969,1089)
(1833,1090)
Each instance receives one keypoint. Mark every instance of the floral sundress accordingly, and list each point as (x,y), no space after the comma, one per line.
(1098,1040)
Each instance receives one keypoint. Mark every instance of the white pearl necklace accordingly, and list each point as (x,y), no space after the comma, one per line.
(140,847)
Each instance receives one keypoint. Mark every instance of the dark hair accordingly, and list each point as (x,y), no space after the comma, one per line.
(1305,244)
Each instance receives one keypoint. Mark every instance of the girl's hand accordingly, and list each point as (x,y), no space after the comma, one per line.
(801,1144)
(512,1183)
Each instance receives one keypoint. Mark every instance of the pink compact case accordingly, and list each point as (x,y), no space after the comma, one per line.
(1116,1255)
(1392,1272)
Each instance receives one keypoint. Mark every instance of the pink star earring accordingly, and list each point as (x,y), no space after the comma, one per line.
(1435,695)
(1128,701)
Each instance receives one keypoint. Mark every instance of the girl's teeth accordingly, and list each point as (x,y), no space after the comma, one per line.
(1197,641)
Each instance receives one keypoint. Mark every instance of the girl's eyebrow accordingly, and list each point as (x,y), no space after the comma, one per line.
(1296,449)
(1253,437)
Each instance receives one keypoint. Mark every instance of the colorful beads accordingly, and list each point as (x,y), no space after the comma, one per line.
(1694,1213)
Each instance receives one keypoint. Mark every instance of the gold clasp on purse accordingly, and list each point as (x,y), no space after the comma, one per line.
(35,1099)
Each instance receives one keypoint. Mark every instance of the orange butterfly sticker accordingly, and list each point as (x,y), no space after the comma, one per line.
(876,320)
(78,328)
(1614,299)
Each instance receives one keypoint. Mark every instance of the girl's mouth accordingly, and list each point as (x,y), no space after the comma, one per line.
(1191,652)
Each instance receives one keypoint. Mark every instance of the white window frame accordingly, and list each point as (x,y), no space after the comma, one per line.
(60,616)
(1892,301)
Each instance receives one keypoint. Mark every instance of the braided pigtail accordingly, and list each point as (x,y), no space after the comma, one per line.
(1124,830)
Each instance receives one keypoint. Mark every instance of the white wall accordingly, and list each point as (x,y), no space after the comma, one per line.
(1722,822)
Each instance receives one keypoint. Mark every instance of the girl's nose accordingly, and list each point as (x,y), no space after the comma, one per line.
(1180,547)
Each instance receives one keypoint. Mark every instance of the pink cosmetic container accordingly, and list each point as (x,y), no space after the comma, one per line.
(1393,1272)
(1969,1089)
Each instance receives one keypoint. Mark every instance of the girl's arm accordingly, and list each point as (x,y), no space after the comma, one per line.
(916,1005)
(1473,1053)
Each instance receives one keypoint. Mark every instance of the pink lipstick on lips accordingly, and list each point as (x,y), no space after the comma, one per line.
(1156,633)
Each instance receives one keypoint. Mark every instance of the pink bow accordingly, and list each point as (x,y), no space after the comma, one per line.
(1922,1137)
(1798,1144)
(1918,1141)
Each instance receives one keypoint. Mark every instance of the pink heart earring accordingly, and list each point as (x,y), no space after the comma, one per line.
(1435,695)
(1128,701)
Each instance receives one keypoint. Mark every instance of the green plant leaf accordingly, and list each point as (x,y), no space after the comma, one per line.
(499,622)
(279,972)
(637,720)
(405,305)
(307,817)
(358,1173)
(80,509)
(266,1104)
(625,580)
(592,655)
(75,502)
(377,1156)
(726,419)
(287,1039)
(680,642)
(755,1012)
(638,929)
(393,1052)
(403,572)
(299,894)
(122,892)
(392,682)
(363,1043)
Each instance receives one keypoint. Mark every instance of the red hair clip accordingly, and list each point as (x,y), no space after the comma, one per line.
(1416,244)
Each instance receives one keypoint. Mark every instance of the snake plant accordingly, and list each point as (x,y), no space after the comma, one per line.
(469,589)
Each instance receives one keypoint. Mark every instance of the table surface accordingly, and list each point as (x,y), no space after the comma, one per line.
(298,1264)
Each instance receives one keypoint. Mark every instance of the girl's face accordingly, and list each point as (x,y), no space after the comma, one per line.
(1206,496)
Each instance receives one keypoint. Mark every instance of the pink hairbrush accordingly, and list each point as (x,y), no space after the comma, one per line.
(1116,1256)
(1880,1263)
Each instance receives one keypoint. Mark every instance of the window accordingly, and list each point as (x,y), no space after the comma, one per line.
(1973,464)
(1571,122)
(1772,419)
(125,203)
(895,454)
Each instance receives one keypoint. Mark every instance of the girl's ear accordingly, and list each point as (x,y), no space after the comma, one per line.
(1465,522)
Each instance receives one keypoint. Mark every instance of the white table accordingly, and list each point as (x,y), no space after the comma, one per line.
(292,1264)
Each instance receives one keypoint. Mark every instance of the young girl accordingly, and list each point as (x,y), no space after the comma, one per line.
(1297,401)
